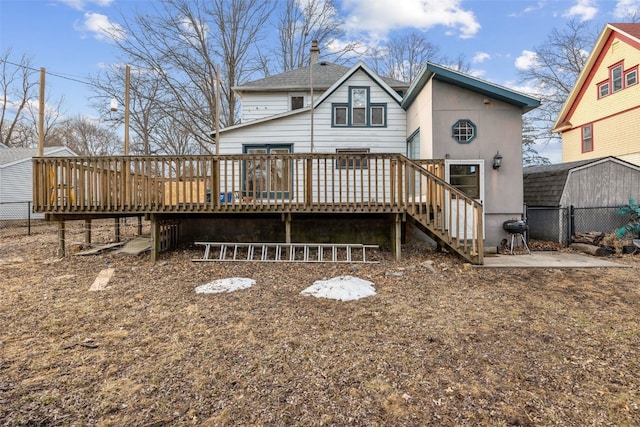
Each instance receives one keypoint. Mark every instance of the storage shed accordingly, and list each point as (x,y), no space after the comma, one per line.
(16,180)
(581,196)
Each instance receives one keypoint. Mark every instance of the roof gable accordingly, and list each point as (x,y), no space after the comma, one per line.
(373,76)
(360,66)
(544,185)
(432,71)
(627,33)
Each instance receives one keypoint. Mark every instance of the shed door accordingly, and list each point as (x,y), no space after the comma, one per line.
(468,177)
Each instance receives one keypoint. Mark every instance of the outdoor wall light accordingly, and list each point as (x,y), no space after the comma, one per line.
(497,161)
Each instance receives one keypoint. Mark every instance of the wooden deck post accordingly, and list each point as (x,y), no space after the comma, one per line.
(61,239)
(87,231)
(308,184)
(116,225)
(155,238)
(396,237)
(139,226)
(287,227)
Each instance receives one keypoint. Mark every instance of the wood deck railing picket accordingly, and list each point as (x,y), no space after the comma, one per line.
(287,183)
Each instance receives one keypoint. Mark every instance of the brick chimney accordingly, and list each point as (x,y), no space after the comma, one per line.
(315,53)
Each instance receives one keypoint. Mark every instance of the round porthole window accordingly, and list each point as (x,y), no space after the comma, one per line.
(463,131)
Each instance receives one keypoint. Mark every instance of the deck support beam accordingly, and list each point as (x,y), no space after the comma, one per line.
(396,236)
(287,226)
(155,238)
(87,231)
(116,226)
(61,239)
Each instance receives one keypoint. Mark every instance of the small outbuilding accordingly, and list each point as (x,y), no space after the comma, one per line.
(581,196)
(16,180)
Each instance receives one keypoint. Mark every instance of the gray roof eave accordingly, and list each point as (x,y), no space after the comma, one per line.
(522,101)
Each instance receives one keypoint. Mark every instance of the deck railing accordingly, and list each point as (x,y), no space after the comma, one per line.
(260,183)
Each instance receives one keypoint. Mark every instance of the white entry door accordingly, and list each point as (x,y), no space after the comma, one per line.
(468,177)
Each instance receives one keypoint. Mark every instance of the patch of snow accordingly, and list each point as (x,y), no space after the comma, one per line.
(342,288)
(225,285)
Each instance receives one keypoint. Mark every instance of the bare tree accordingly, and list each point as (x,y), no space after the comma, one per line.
(84,136)
(18,82)
(530,156)
(556,65)
(171,140)
(145,102)
(181,45)
(300,22)
(459,63)
(403,56)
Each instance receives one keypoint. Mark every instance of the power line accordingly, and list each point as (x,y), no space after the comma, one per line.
(59,75)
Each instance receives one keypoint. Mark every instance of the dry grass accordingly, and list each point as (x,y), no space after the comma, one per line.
(455,347)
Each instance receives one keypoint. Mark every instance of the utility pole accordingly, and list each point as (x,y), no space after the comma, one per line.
(313,58)
(41,114)
(127,82)
(217,110)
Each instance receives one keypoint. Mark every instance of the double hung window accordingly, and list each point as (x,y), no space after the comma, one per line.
(359,111)
(587,138)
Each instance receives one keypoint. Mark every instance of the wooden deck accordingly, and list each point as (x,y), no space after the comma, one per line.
(277,183)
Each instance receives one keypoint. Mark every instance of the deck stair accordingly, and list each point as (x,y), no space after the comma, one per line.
(286,252)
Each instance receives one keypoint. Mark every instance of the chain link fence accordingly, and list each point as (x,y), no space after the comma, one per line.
(558,224)
(548,224)
(16,219)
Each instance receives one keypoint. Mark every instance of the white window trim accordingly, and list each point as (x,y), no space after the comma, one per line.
(447,178)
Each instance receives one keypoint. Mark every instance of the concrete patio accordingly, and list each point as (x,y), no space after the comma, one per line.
(547,259)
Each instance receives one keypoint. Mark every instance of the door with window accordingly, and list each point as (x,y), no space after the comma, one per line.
(468,177)
(413,153)
(265,177)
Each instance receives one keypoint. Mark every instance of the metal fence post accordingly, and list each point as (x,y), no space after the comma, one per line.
(29,218)
(572,223)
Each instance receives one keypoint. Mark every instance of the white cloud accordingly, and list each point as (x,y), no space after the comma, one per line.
(526,60)
(529,9)
(538,6)
(627,9)
(584,9)
(81,4)
(480,57)
(378,17)
(100,27)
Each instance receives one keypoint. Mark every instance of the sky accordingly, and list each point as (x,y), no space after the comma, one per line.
(496,37)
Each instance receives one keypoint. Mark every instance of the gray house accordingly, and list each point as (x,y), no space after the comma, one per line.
(16,180)
(581,196)
(476,127)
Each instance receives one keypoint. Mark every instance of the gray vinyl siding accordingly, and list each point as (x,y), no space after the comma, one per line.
(16,185)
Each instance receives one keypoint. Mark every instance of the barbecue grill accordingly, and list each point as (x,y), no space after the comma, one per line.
(516,228)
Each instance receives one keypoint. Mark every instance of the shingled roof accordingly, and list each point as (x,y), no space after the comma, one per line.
(325,74)
(12,155)
(543,185)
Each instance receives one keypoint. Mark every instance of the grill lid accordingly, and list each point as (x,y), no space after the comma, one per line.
(515,226)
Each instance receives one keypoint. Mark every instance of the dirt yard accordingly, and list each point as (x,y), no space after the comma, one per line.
(438,344)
